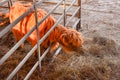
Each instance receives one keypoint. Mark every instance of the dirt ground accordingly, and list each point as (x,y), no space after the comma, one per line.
(99,58)
(102,16)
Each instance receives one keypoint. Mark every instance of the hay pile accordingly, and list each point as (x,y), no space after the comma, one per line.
(98,60)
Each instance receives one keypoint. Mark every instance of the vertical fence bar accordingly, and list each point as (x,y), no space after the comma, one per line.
(36,64)
(10,2)
(64,2)
(38,46)
(4,31)
(38,37)
(9,5)
(79,15)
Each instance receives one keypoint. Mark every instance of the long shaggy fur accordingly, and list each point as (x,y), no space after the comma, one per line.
(68,38)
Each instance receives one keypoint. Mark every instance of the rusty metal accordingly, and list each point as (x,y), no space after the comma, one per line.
(64,11)
(79,15)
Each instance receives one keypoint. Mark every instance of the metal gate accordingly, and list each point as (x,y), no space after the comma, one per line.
(34,7)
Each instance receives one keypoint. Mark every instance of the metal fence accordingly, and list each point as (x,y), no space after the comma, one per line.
(37,46)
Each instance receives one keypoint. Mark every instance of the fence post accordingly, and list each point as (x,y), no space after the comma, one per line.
(9,3)
(79,15)
(37,30)
(64,2)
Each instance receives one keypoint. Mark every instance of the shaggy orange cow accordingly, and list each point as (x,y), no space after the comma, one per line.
(69,39)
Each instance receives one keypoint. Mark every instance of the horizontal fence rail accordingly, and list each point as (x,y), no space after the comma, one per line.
(56,53)
(4,31)
(36,64)
(72,15)
(9,53)
(4,1)
(35,47)
(39,41)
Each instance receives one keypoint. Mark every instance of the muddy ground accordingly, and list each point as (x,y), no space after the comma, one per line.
(99,58)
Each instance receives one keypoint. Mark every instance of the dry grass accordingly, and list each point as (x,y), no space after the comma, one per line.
(99,61)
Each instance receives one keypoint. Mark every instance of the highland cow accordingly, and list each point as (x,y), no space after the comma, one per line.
(69,39)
